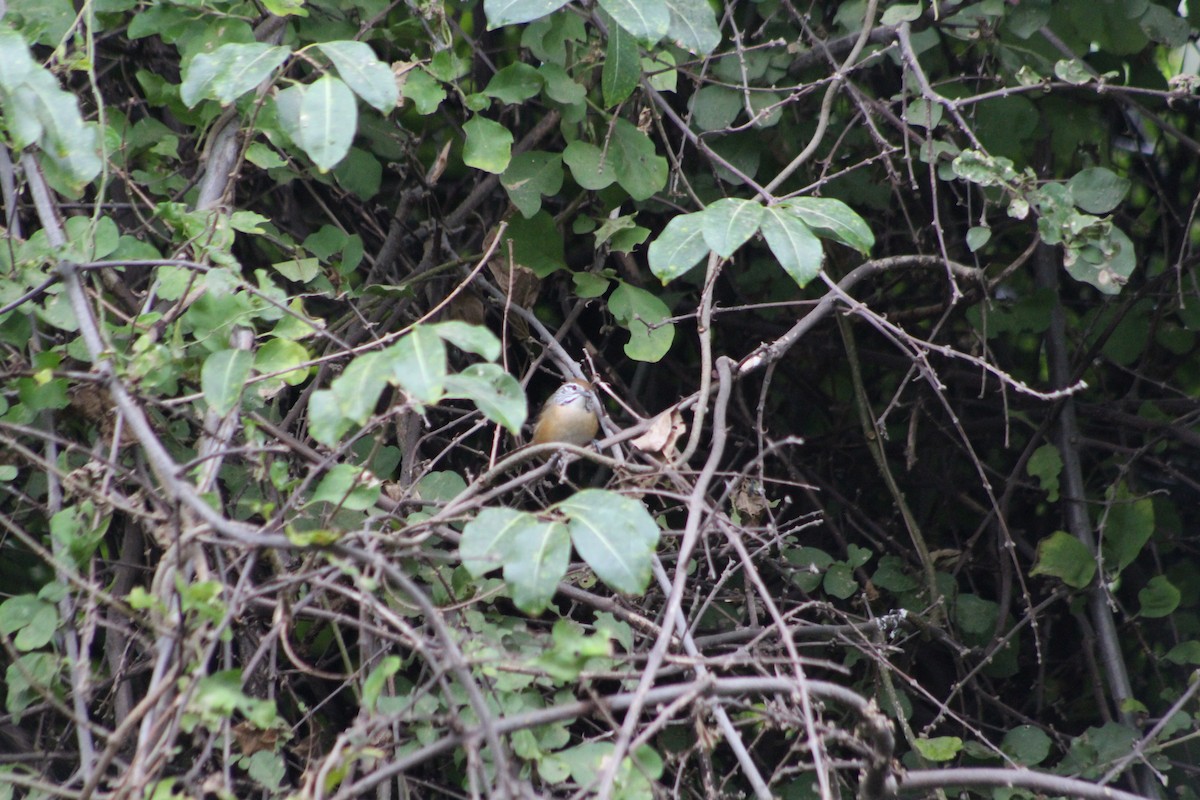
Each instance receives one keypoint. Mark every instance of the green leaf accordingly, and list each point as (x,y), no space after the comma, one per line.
(222,378)
(514,12)
(515,83)
(278,355)
(939,748)
(529,176)
(1062,556)
(230,71)
(364,73)
(358,388)
(714,107)
(833,219)
(493,391)
(349,487)
(542,552)
(487,540)
(417,363)
(15,62)
(640,170)
(622,68)
(1159,598)
(488,146)
(977,237)
(327,122)
(680,246)
(326,422)
(1127,527)
(591,167)
(1098,190)
(646,20)
(33,620)
(1027,745)
(643,315)
(728,223)
(793,243)
(809,564)
(561,87)
(693,26)
(536,243)
(471,338)
(425,91)
(1046,465)
(615,535)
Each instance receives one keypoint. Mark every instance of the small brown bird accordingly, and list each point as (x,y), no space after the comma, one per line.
(569,415)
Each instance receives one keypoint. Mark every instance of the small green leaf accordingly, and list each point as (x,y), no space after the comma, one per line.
(729,222)
(615,535)
(488,146)
(222,378)
(793,244)
(529,176)
(349,487)
(939,748)
(1062,556)
(1098,190)
(1046,465)
(643,314)
(977,237)
(424,90)
(363,72)
(515,83)
(1159,598)
(591,167)
(278,355)
(680,246)
(1027,745)
(1127,527)
(328,120)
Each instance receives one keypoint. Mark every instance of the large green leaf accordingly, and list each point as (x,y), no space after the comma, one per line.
(727,224)
(680,246)
(359,386)
(640,170)
(615,535)
(514,12)
(223,377)
(531,175)
(417,363)
(622,68)
(328,121)
(229,72)
(647,20)
(488,146)
(364,73)
(644,315)
(540,554)
(496,393)
(793,243)
(834,220)
(693,26)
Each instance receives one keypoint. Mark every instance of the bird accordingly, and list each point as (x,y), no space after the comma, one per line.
(569,416)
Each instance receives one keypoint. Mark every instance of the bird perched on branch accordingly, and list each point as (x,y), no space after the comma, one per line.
(569,416)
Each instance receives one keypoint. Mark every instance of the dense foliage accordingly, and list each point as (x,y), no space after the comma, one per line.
(891,310)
